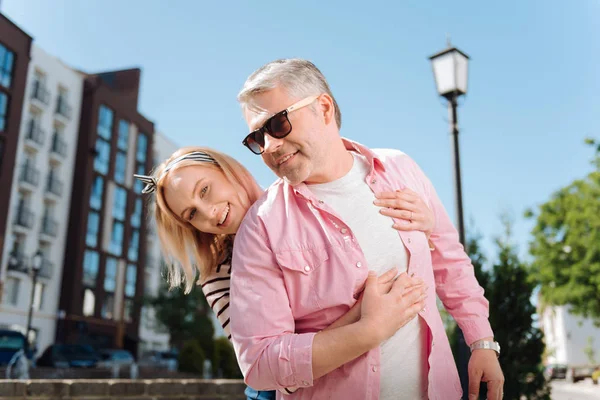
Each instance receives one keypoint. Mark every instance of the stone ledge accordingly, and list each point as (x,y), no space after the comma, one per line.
(105,389)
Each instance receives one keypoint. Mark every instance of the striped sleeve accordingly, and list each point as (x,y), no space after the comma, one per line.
(216,291)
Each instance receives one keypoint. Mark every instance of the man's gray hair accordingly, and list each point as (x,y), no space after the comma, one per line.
(300,78)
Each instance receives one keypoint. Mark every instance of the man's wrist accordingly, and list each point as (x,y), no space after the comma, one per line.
(485,344)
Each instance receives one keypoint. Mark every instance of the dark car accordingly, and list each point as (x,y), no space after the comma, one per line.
(115,357)
(12,342)
(556,371)
(68,356)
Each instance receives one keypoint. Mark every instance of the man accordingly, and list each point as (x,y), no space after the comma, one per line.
(303,252)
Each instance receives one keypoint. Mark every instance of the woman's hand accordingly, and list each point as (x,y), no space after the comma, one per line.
(408,206)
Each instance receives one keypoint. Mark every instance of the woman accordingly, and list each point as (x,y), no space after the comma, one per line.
(202,196)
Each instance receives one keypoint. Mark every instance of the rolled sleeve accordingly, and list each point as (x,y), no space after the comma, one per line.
(455,281)
(270,355)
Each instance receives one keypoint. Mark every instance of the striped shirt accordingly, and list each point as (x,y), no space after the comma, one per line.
(216,291)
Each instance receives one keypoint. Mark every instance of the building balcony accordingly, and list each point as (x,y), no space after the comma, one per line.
(63,108)
(34,136)
(30,176)
(49,227)
(24,217)
(54,186)
(40,94)
(58,151)
(17,261)
(47,269)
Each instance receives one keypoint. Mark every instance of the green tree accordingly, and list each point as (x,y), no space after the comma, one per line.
(225,363)
(509,291)
(191,358)
(566,244)
(185,316)
(589,351)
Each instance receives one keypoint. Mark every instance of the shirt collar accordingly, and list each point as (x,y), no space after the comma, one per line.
(373,159)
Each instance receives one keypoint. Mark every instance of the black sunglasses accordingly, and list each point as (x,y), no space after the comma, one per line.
(277,126)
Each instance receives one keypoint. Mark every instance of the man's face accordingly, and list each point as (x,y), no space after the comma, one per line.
(297,157)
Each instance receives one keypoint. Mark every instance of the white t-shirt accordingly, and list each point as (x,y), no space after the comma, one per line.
(403,356)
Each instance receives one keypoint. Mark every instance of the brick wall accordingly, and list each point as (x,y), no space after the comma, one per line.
(100,389)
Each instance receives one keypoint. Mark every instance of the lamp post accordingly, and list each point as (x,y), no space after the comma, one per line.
(450,70)
(36,266)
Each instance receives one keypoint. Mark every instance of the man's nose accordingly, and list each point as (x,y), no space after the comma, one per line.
(272,144)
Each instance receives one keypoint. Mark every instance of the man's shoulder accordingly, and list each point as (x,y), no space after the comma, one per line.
(393,156)
(260,211)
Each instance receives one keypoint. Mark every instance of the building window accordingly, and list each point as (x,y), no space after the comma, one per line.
(7,59)
(128,310)
(110,275)
(142,148)
(102,158)
(91,238)
(3,111)
(130,279)
(89,303)
(11,291)
(120,203)
(96,195)
(105,121)
(91,264)
(123,140)
(116,239)
(136,217)
(108,307)
(120,167)
(134,246)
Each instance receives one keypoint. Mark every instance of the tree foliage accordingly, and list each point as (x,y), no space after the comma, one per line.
(566,244)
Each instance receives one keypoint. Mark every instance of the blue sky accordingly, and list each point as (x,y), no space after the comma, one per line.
(533,86)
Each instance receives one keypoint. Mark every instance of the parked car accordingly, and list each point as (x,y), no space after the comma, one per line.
(160,360)
(68,356)
(112,357)
(576,373)
(12,342)
(556,371)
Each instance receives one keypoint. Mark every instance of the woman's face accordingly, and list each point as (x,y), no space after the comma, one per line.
(204,197)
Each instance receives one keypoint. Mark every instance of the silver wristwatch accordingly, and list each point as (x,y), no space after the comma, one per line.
(486,344)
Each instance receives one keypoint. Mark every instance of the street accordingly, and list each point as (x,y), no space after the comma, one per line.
(585,390)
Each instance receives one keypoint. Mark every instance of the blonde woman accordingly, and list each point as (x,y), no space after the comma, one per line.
(202,195)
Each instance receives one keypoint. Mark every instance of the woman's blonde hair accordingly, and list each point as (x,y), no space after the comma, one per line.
(188,251)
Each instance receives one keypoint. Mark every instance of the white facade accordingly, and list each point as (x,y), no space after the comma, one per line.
(41,194)
(567,337)
(152,338)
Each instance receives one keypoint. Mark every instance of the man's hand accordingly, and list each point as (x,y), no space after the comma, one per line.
(386,313)
(484,367)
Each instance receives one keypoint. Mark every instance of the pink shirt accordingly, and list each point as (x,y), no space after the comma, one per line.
(297,266)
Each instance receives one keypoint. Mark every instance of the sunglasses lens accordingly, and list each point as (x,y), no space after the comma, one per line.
(279,126)
(256,142)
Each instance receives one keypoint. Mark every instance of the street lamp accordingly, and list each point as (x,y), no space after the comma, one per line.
(36,266)
(450,70)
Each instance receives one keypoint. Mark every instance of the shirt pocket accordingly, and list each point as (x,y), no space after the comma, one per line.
(301,269)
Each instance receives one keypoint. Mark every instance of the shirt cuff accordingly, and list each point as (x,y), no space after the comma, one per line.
(475,330)
(302,359)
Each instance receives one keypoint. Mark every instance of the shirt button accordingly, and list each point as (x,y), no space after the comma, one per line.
(374,369)
(374,181)
(409,240)
(305,383)
(359,264)
(321,202)
(344,230)
(307,268)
